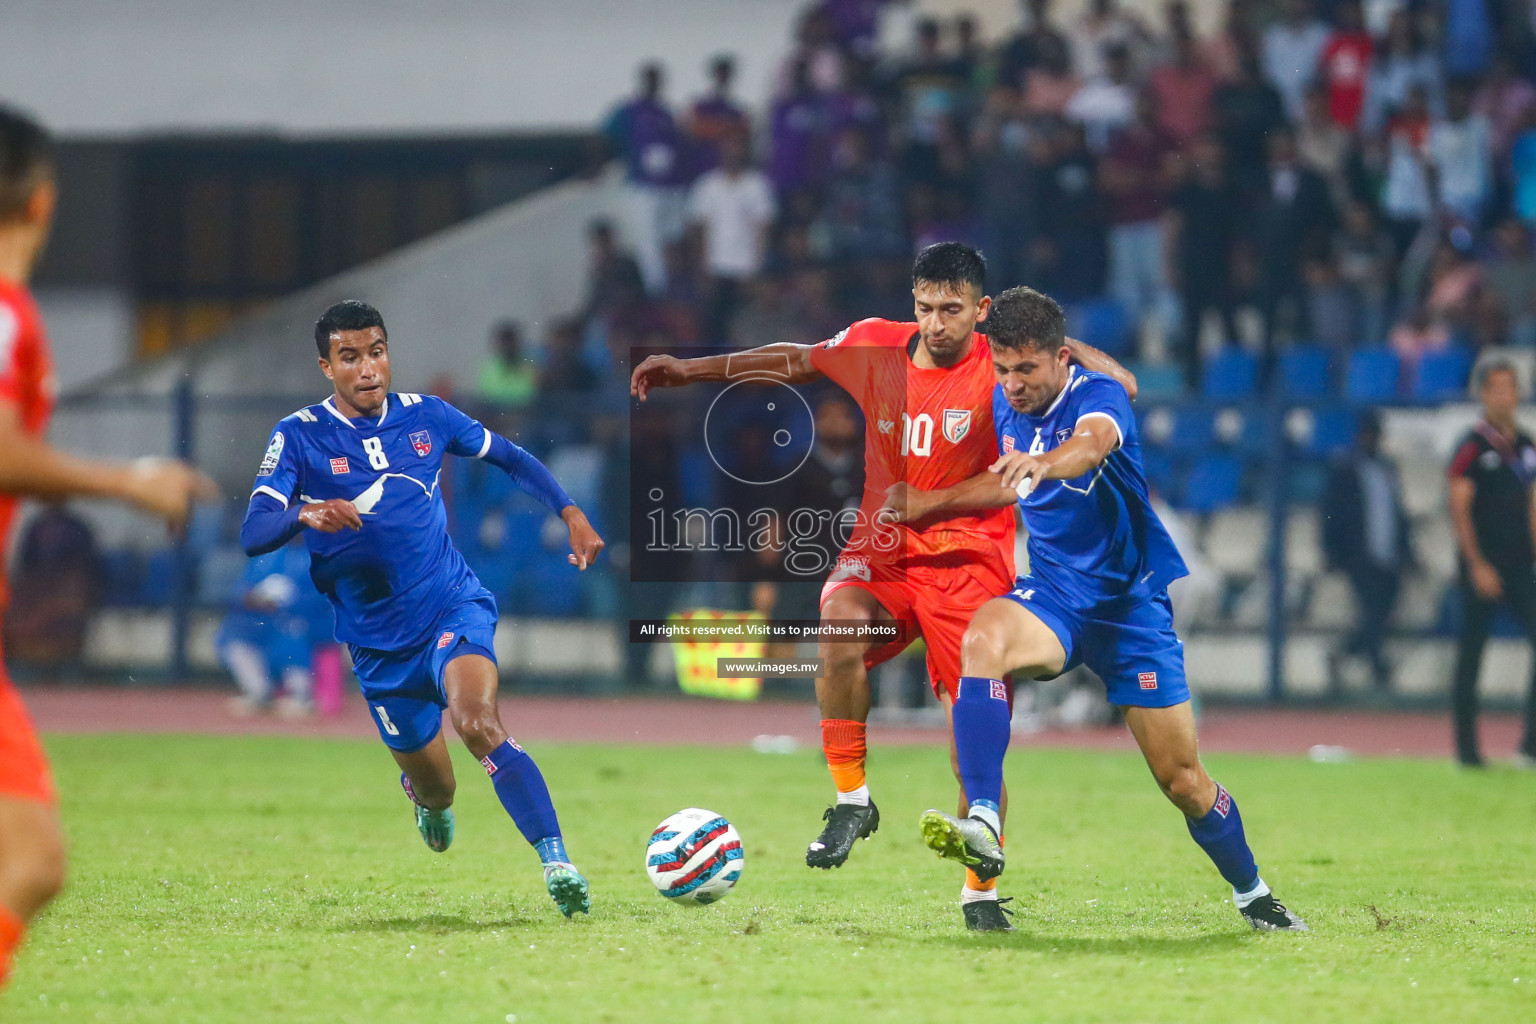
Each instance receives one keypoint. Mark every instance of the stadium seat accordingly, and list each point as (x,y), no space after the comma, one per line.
(1372,375)
(1333,430)
(1232,373)
(1102,323)
(1306,482)
(1194,431)
(1442,375)
(1158,382)
(161,579)
(1255,437)
(1212,484)
(1159,470)
(1304,372)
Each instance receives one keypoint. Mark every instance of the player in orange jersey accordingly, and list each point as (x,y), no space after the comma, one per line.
(925,389)
(31,844)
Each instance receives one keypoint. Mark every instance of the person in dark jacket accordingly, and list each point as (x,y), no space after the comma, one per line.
(1366,536)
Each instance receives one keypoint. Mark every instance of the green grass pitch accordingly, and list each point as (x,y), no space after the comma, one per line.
(282,880)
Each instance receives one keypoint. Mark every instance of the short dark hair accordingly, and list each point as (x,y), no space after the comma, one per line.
(952,263)
(1024,318)
(346,315)
(26,160)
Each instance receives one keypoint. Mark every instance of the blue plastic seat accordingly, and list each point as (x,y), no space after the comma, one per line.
(1333,430)
(1372,375)
(1158,382)
(1102,323)
(1159,470)
(1213,483)
(1442,375)
(1194,431)
(1231,374)
(1304,372)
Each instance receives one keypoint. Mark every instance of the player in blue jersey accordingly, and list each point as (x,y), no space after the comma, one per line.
(357,474)
(1100,563)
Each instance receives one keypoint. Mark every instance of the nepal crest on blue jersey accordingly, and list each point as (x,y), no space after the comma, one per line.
(422,442)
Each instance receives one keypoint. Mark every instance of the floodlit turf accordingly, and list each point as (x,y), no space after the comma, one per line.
(283,880)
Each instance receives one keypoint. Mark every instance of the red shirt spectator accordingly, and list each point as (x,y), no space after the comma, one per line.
(1345,63)
(1184,89)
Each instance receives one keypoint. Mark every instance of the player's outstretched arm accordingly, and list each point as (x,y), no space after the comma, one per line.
(1095,437)
(779,363)
(163,488)
(907,504)
(532,476)
(1090,358)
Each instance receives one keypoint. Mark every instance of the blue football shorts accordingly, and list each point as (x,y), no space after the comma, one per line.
(1128,642)
(404,689)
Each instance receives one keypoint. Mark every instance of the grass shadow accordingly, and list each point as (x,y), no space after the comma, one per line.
(1078,945)
(431,924)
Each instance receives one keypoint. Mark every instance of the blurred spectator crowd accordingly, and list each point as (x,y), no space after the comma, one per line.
(1346,174)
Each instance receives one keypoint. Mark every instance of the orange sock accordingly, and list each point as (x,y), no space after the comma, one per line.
(843,742)
(977,885)
(11,931)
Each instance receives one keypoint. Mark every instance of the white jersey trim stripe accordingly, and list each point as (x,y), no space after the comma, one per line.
(1071,375)
(485,446)
(271,493)
(332,410)
(1116,423)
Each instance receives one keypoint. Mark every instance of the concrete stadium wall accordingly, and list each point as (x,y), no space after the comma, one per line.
(105,67)
(439,297)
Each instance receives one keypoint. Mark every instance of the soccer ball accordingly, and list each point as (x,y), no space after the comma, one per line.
(695,856)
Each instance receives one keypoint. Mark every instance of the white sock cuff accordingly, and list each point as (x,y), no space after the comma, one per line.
(858,796)
(1242,899)
(989,816)
(969,895)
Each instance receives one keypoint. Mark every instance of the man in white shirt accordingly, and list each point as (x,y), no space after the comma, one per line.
(1107,103)
(1292,48)
(732,208)
(1461,152)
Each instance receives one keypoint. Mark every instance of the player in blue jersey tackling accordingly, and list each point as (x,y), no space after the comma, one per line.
(357,474)
(1100,563)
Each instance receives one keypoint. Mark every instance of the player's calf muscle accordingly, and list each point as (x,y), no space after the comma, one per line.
(32,861)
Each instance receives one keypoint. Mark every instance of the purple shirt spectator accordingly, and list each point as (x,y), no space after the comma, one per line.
(644,134)
(800,130)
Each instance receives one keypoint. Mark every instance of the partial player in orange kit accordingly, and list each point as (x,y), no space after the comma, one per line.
(31,843)
(925,390)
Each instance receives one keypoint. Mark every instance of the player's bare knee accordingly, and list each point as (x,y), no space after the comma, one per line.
(983,651)
(480,729)
(843,662)
(1182,784)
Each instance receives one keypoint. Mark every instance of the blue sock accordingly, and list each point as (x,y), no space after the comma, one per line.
(981,720)
(520,788)
(552,851)
(1220,835)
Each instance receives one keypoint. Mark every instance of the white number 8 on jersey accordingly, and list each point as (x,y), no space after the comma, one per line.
(375,449)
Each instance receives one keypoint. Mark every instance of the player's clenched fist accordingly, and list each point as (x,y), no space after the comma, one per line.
(657,372)
(585,543)
(903,504)
(331,516)
(167,489)
(1015,466)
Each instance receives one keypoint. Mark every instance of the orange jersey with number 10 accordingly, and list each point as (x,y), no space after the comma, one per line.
(931,428)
